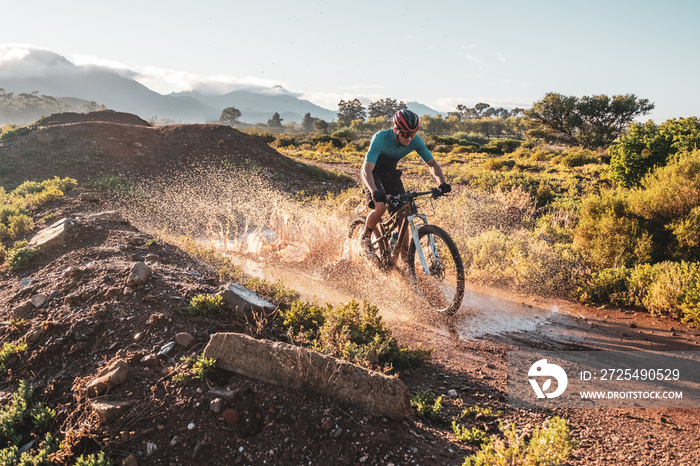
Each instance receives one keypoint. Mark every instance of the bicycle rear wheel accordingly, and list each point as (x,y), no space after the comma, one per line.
(381,248)
(442,286)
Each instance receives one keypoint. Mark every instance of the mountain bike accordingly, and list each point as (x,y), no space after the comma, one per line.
(434,265)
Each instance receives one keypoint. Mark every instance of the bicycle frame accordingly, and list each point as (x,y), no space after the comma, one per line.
(404,219)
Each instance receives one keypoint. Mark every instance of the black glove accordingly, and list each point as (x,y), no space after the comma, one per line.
(379,196)
(445,188)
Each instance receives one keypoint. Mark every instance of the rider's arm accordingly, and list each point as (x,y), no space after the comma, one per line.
(436,171)
(367,177)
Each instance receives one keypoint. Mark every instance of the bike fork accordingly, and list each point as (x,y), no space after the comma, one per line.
(416,241)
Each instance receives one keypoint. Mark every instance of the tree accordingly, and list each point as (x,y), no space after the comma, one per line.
(434,125)
(275,121)
(321,125)
(591,122)
(307,123)
(480,108)
(230,116)
(350,110)
(385,108)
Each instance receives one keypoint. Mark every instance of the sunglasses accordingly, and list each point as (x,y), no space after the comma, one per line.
(407,135)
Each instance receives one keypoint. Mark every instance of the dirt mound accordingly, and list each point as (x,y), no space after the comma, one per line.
(105,116)
(93,149)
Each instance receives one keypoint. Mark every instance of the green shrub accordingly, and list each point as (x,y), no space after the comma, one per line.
(10,132)
(94,460)
(304,318)
(203,305)
(610,233)
(606,285)
(426,404)
(492,164)
(548,445)
(20,255)
(666,288)
(647,146)
(195,368)
(578,157)
(19,225)
(10,350)
(501,146)
(350,332)
(343,133)
(9,210)
(472,436)
(671,192)
(473,411)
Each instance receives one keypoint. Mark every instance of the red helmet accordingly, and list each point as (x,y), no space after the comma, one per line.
(406,121)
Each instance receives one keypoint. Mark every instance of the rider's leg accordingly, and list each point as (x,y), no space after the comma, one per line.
(375,216)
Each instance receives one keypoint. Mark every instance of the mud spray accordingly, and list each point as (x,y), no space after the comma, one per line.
(303,244)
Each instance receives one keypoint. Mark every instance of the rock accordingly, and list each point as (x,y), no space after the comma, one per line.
(39,300)
(150,360)
(225,394)
(34,336)
(230,416)
(139,274)
(113,292)
(216,405)
(327,425)
(53,236)
(184,339)
(55,294)
(302,369)
(130,461)
(152,258)
(244,301)
(23,310)
(109,377)
(25,282)
(198,449)
(166,348)
(108,410)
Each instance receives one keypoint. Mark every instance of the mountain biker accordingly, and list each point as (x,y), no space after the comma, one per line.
(379,174)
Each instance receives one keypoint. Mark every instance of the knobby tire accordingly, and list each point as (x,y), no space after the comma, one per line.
(443,289)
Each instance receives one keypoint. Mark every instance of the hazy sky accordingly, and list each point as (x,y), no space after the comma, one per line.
(440,53)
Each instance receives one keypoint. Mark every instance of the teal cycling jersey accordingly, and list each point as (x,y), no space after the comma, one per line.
(385,151)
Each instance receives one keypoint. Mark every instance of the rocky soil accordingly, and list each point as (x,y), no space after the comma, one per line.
(104,345)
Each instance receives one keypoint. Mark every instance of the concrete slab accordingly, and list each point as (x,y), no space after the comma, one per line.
(309,371)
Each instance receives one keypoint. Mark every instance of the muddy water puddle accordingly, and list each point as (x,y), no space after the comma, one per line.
(483,312)
(486,314)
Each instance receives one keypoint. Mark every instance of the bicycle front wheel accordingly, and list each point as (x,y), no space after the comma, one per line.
(442,285)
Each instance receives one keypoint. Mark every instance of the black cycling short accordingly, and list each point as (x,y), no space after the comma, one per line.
(387,180)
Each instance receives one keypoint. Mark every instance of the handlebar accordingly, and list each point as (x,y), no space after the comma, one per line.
(435,193)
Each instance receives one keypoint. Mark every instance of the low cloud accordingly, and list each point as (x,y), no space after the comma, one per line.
(19,61)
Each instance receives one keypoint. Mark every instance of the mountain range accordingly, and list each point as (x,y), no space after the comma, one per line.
(49,73)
